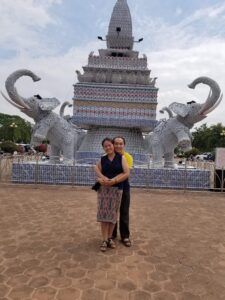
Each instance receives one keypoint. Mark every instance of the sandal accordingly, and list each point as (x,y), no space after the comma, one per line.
(111,243)
(126,242)
(103,246)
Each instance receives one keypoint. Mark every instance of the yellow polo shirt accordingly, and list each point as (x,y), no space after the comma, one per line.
(129,159)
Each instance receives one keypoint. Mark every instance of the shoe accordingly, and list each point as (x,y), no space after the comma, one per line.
(103,246)
(126,242)
(111,243)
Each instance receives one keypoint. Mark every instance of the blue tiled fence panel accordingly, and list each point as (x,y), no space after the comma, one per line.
(84,175)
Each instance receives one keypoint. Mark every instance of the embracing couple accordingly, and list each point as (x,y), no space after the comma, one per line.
(113,190)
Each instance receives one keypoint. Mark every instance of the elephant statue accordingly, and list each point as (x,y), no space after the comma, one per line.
(48,125)
(170,113)
(153,81)
(80,77)
(175,131)
(79,133)
(62,109)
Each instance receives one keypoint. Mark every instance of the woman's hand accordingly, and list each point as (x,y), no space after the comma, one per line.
(106,181)
(103,181)
(111,182)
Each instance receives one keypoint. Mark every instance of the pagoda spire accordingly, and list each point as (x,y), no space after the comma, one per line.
(120,27)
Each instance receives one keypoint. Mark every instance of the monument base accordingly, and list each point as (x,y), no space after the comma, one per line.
(91,147)
(84,175)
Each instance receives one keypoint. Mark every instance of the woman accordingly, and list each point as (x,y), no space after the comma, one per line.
(112,170)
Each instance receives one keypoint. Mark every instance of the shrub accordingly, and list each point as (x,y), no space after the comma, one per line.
(8,147)
(194,151)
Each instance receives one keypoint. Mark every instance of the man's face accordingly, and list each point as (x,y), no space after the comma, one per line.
(119,145)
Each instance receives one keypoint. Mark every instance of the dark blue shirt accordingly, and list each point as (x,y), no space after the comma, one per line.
(112,168)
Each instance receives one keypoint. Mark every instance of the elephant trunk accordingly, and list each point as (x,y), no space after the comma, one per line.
(62,108)
(214,97)
(11,89)
(167,110)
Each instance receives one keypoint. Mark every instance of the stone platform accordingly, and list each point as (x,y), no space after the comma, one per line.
(84,175)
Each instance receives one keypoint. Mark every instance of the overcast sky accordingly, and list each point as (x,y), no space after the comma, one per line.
(182,39)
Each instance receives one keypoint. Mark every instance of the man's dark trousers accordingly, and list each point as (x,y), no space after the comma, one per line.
(124,216)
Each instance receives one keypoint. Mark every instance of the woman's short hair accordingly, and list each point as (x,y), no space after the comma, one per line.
(107,139)
(119,137)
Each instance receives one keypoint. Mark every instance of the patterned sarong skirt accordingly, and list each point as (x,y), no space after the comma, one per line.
(109,199)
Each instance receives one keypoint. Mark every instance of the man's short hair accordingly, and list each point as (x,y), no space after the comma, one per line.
(119,137)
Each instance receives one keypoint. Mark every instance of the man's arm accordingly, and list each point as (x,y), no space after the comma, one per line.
(122,176)
(129,160)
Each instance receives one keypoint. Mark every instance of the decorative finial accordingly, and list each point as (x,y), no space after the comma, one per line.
(120,27)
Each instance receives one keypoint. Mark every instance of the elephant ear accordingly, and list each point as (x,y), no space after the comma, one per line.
(48,104)
(179,109)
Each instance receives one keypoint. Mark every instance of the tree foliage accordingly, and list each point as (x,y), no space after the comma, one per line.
(206,139)
(19,134)
(8,147)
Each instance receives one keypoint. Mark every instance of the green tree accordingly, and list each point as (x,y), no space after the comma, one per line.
(8,147)
(206,139)
(194,151)
(20,134)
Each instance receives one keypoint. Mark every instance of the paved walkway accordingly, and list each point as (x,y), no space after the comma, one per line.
(49,247)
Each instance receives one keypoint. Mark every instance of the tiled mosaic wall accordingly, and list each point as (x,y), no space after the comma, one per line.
(131,63)
(87,122)
(122,93)
(121,18)
(84,175)
(114,112)
(87,157)
(94,137)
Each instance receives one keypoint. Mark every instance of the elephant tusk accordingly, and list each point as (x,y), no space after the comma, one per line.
(22,103)
(11,102)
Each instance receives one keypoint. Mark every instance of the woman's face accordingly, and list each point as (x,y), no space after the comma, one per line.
(108,147)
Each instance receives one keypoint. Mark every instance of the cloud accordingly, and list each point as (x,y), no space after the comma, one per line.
(22,22)
(200,25)
(176,68)
(57,74)
(213,11)
(178,11)
(177,53)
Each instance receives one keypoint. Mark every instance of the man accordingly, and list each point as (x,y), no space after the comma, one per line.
(119,145)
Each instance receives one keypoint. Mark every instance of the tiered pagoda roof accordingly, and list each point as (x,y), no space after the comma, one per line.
(115,88)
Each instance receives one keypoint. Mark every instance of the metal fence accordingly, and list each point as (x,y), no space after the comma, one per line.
(80,172)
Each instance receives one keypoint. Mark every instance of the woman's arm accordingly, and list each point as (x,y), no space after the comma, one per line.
(98,171)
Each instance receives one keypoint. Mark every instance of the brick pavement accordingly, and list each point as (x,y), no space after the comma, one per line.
(49,243)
